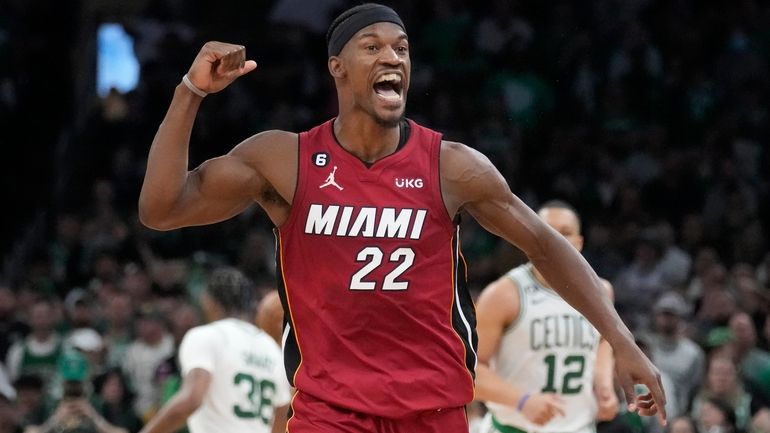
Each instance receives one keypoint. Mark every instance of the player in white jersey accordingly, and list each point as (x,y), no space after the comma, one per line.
(543,368)
(234,379)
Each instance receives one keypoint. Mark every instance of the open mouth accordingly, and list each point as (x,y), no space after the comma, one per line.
(389,87)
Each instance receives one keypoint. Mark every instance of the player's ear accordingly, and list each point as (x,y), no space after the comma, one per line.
(336,67)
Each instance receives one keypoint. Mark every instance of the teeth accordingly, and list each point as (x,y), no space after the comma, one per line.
(389,77)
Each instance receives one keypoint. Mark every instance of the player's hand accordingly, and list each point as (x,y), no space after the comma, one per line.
(607,402)
(217,65)
(542,407)
(633,367)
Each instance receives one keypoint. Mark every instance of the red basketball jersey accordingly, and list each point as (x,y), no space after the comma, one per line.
(377,316)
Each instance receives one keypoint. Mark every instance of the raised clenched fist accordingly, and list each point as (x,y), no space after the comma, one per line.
(217,65)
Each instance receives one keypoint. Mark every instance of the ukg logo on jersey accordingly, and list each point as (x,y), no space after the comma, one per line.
(404,182)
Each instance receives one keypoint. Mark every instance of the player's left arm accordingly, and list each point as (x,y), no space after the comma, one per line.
(470,182)
(173,415)
(604,374)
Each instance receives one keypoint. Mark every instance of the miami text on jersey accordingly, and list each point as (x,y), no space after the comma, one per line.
(365,221)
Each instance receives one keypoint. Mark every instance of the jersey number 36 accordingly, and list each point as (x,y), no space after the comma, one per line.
(259,394)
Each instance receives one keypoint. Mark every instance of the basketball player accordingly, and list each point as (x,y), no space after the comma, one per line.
(379,331)
(233,375)
(542,366)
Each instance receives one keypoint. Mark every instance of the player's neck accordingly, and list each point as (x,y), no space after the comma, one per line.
(364,137)
(237,316)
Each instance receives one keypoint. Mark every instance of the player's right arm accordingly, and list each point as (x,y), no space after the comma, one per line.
(173,196)
(497,308)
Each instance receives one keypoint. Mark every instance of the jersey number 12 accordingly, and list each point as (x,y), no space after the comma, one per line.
(574,366)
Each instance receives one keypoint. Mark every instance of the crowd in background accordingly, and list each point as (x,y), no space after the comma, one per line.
(650,117)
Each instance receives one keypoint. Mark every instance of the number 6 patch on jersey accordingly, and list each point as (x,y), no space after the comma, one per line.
(320,159)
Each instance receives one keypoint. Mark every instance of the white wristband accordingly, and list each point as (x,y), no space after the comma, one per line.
(192,87)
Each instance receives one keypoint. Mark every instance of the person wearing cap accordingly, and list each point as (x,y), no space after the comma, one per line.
(379,330)
(90,343)
(232,373)
(674,353)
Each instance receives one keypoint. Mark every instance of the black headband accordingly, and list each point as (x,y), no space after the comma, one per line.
(351,21)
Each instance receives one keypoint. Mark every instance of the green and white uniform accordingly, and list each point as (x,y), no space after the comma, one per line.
(247,377)
(551,347)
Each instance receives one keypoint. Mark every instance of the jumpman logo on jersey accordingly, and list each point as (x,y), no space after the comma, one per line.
(330,180)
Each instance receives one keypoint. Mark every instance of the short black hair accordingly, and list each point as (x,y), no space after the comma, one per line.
(560,204)
(231,289)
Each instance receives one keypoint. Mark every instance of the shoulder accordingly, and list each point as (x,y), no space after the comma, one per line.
(500,299)
(608,289)
(467,175)
(202,334)
(266,342)
(457,156)
(266,142)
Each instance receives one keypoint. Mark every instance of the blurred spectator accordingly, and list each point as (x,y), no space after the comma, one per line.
(760,423)
(716,416)
(79,309)
(675,263)
(38,352)
(30,400)
(11,328)
(754,363)
(709,271)
(682,424)
(642,280)
(717,305)
(74,412)
(66,251)
(750,297)
(90,344)
(722,382)
(118,327)
(8,416)
(137,284)
(678,356)
(113,400)
(168,376)
(152,345)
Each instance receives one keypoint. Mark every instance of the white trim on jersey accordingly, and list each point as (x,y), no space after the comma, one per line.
(457,299)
